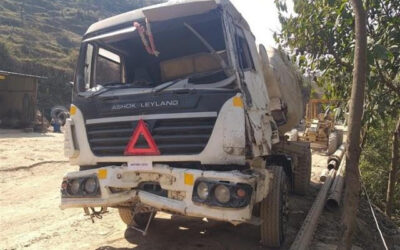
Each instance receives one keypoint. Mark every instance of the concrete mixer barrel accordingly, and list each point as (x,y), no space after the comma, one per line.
(284,84)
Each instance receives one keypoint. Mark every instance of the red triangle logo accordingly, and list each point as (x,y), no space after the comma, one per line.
(141,130)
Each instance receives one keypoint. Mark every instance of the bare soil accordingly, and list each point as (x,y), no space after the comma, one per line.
(31,169)
(19,149)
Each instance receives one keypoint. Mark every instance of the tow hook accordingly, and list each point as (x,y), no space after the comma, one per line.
(92,213)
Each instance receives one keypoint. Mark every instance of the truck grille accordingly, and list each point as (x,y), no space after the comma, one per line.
(172,136)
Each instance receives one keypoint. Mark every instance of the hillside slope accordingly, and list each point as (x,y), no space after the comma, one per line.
(42,37)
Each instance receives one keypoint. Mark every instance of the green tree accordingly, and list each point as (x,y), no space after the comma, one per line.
(352,180)
(321,35)
(394,169)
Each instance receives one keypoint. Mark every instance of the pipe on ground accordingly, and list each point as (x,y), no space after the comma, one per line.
(335,193)
(324,175)
(335,159)
(305,235)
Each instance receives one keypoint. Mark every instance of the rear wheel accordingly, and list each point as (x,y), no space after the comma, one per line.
(134,219)
(273,210)
(332,143)
(302,173)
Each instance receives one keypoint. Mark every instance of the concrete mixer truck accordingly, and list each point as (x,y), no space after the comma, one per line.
(175,109)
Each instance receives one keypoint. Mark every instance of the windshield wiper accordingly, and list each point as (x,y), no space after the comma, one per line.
(106,89)
(135,84)
(157,90)
(99,92)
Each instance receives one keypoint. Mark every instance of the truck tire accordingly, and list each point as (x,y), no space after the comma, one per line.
(302,173)
(332,143)
(273,210)
(131,219)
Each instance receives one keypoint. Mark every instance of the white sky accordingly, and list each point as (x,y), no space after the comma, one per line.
(262,17)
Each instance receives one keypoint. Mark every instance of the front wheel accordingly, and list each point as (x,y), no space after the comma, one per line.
(130,218)
(273,210)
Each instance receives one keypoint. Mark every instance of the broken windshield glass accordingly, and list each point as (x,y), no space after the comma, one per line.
(191,48)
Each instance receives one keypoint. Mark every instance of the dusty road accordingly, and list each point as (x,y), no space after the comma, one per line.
(19,149)
(30,217)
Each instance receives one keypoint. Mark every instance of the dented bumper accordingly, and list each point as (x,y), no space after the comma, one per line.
(178,185)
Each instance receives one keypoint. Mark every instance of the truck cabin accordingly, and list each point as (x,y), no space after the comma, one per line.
(187,52)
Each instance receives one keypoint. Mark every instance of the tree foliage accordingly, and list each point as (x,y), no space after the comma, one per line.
(374,162)
(321,35)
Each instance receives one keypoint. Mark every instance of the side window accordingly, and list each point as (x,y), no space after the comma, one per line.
(88,65)
(244,55)
(108,67)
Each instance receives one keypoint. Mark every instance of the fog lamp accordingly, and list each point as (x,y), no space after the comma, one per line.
(222,194)
(202,190)
(90,185)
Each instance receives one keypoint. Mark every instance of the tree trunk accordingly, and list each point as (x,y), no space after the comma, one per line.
(352,179)
(393,170)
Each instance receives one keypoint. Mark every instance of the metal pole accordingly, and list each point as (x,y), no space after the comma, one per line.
(323,175)
(335,193)
(333,162)
(335,158)
(305,235)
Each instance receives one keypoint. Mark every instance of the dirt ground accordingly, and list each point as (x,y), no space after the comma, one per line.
(31,218)
(19,149)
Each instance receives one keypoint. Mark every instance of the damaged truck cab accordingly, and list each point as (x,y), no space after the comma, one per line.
(174,109)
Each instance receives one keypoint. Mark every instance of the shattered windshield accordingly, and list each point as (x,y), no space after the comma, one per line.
(185,52)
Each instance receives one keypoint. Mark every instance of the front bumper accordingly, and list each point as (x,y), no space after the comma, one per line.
(179,185)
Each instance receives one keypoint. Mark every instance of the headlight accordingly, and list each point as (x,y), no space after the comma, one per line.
(222,193)
(90,185)
(74,187)
(87,186)
(202,190)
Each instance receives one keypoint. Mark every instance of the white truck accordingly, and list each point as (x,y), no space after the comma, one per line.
(176,110)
